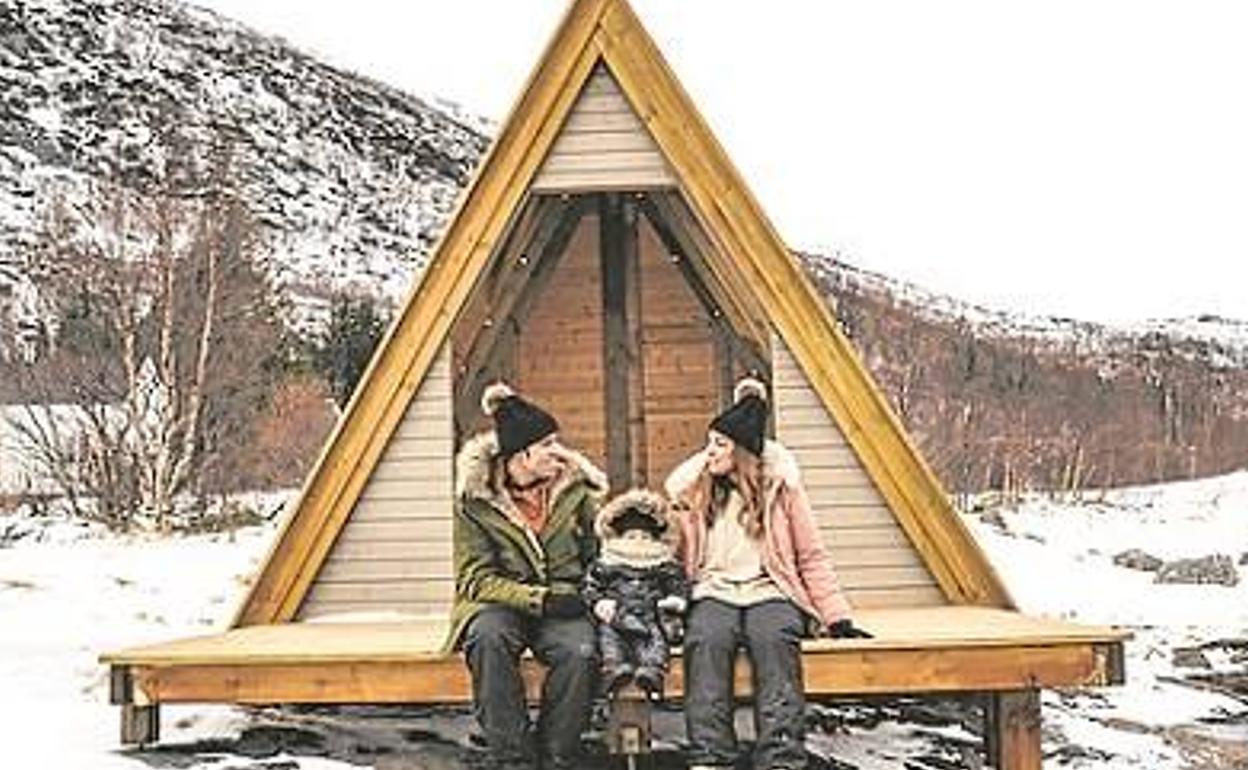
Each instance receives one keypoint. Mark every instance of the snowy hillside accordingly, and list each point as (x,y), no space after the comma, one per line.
(351,179)
(1219,342)
(68,593)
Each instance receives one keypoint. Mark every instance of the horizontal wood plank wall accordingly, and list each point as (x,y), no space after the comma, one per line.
(559,350)
(394,553)
(603,145)
(680,375)
(874,559)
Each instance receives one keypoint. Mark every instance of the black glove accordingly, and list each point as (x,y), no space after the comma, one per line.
(560,605)
(845,629)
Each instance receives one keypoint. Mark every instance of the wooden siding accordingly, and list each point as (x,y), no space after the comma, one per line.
(394,553)
(679,371)
(559,350)
(603,145)
(875,560)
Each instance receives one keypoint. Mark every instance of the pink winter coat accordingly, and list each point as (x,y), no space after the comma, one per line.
(793,552)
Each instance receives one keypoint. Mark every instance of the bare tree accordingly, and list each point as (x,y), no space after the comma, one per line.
(169,345)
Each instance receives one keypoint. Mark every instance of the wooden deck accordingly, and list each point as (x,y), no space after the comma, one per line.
(929,649)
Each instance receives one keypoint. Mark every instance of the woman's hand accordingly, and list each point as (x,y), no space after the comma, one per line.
(845,629)
(604,610)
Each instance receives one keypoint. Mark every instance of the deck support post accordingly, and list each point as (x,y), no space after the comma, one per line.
(1012,730)
(628,731)
(139,723)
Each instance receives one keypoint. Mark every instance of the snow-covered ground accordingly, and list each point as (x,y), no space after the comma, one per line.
(1057,559)
(69,592)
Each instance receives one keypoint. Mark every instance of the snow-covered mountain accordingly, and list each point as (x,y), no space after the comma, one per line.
(350,179)
(1217,341)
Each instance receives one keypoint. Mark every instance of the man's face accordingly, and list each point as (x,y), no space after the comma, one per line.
(541,460)
(719,453)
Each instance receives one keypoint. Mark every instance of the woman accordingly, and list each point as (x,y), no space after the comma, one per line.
(761,579)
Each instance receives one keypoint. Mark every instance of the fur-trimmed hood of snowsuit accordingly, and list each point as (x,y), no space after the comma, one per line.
(498,558)
(792,546)
(637,551)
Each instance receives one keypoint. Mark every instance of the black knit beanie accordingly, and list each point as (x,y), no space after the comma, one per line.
(745,422)
(519,423)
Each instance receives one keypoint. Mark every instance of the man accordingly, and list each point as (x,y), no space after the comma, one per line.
(523,535)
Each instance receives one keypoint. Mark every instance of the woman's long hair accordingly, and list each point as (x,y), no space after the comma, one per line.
(707,496)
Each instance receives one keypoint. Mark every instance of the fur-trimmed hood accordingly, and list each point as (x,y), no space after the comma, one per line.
(779,467)
(472,473)
(636,551)
(651,504)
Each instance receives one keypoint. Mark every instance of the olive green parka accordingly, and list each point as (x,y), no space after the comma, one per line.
(498,559)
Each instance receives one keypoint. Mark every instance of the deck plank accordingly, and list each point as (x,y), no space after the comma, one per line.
(921,649)
(418,638)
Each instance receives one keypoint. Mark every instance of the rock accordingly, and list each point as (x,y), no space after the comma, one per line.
(1138,559)
(1217,569)
(431,758)
(1243,559)
(265,741)
(1189,657)
(1214,569)
(993,518)
(1070,752)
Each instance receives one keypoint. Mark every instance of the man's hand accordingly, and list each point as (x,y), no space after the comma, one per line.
(604,610)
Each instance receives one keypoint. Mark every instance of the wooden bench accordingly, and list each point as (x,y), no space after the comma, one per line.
(1003,655)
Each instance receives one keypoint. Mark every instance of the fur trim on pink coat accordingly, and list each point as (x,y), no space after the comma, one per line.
(793,552)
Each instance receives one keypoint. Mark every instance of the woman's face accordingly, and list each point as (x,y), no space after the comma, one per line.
(719,453)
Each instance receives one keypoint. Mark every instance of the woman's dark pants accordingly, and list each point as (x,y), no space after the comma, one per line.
(771,634)
(493,643)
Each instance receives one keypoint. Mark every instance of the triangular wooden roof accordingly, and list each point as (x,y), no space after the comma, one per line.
(751,259)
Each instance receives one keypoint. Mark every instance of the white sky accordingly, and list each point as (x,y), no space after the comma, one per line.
(1082,158)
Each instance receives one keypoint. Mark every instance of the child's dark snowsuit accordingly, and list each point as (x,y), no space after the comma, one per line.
(637,568)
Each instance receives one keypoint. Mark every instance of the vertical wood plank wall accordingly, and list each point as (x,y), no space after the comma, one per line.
(559,351)
(603,145)
(679,370)
(874,558)
(394,553)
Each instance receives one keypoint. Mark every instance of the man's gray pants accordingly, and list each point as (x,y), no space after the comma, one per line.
(771,634)
(493,643)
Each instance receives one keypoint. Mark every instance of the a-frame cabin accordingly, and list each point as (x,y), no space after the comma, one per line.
(610,261)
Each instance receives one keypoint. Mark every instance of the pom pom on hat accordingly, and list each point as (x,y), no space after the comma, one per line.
(749,386)
(494,395)
(745,422)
